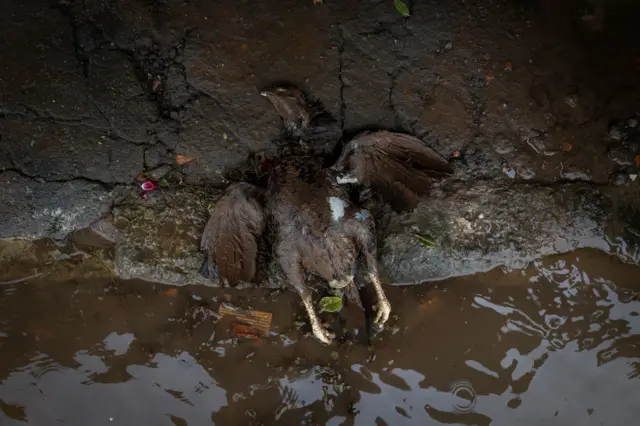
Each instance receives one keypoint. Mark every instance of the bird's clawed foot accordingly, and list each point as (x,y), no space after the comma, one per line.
(383,310)
(321,333)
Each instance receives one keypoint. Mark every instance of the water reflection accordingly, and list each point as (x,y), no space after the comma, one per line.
(168,388)
(558,343)
(587,339)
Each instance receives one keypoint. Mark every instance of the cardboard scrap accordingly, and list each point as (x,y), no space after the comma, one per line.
(259,320)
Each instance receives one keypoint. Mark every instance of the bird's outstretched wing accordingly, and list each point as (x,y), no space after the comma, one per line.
(231,235)
(398,166)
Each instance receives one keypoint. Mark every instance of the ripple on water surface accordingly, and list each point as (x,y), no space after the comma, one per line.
(557,343)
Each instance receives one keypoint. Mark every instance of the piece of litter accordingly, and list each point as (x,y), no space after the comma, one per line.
(361,215)
(243,330)
(509,172)
(633,177)
(171,292)
(257,319)
(148,186)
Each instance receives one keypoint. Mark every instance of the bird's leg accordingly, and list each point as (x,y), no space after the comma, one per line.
(295,279)
(383,307)
(363,231)
(317,328)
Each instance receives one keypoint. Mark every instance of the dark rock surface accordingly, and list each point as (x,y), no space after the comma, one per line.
(159,239)
(541,102)
(476,225)
(49,209)
(481,225)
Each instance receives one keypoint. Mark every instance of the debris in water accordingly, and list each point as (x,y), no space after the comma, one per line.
(183,159)
(620,179)
(633,177)
(20,280)
(425,240)
(171,292)
(243,330)
(571,100)
(401,7)
(330,304)
(456,154)
(156,84)
(148,186)
(566,146)
(508,66)
(615,133)
(256,319)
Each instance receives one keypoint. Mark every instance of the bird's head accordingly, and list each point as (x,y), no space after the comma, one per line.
(309,128)
(291,104)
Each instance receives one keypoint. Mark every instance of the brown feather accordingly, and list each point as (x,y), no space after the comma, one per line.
(400,166)
(231,235)
(353,295)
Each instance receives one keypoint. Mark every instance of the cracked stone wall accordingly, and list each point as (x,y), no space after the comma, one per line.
(95,92)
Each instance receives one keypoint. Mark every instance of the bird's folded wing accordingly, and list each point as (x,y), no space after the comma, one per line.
(231,235)
(399,166)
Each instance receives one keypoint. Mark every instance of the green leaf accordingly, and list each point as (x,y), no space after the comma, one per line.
(401,7)
(331,304)
(425,240)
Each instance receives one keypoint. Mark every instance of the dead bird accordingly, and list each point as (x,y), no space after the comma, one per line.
(307,207)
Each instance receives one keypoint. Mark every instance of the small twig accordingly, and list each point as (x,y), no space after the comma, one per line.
(19,280)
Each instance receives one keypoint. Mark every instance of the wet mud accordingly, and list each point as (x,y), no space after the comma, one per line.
(556,343)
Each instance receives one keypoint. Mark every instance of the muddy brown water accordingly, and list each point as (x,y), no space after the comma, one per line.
(555,344)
